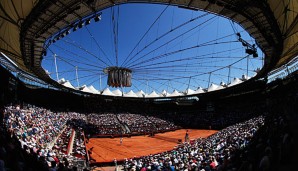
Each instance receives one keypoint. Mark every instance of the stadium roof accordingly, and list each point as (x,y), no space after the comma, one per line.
(26,25)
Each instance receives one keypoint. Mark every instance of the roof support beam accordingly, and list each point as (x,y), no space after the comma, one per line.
(190,2)
(291,27)
(9,18)
(15,10)
(112,2)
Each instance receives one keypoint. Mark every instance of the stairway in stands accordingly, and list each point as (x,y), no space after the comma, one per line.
(124,126)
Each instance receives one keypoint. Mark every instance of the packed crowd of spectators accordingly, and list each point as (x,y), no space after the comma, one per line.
(264,143)
(104,124)
(124,123)
(137,123)
(49,135)
(205,119)
(34,126)
(38,139)
(43,134)
(213,153)
(162,125)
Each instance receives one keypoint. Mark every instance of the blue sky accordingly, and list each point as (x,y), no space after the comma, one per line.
(199,46)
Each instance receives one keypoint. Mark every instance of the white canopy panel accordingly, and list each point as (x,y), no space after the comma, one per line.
(61,81)
(130,94)
(85,89)
(213,87)
(93,90)
(175,93)
(189,91)
(199,90)
(140,93)
(107,92)
(245,77)
(68,84)
(153,94)
(164,93)
(65,83)
(117,92)
(235,82)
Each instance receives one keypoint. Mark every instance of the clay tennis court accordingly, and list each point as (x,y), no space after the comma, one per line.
(106,149)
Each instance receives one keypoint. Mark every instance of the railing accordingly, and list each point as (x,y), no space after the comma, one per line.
(70,142)
(25,77)
(284,70)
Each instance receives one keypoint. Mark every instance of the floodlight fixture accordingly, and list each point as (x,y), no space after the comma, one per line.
(80,24)
(75,28)
(97,17)
(87,22)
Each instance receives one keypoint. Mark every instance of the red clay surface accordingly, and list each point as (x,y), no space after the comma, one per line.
(106,149)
